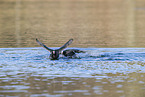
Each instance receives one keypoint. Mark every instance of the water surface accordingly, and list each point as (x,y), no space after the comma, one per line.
(101,72)
(91,23)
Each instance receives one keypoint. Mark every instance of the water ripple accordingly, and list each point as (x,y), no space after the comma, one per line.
(22,69)
(94,61)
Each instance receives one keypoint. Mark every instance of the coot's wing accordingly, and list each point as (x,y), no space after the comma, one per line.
(43,45)
(65,45)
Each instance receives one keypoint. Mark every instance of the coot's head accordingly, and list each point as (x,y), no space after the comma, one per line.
(54,55)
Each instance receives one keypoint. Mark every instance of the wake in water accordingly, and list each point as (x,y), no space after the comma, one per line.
(93,61)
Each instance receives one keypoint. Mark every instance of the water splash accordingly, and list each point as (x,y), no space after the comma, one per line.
(94,61)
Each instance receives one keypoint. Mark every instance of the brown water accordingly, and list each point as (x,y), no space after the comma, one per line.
(100,72)
(92,23)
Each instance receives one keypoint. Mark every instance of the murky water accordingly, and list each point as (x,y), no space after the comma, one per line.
(101,72)
(92,23)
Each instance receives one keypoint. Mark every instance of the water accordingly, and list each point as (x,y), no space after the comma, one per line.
(91,23)
(99,72)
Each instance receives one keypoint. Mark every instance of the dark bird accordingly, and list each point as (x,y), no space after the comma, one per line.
(55,53)
(71,53)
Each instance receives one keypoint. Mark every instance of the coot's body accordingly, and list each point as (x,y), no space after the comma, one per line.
(55,53)
(71,53)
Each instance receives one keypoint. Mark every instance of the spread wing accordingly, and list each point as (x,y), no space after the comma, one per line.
(65,45)
(43,45)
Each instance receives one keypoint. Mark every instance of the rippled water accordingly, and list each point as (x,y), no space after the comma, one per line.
(101,72)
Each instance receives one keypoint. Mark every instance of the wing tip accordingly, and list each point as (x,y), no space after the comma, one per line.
(71,39)
(36,39)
